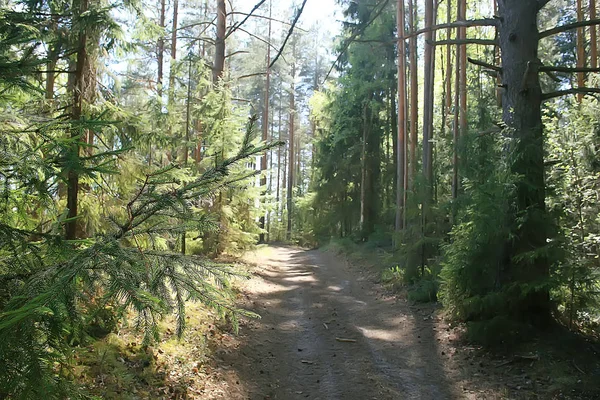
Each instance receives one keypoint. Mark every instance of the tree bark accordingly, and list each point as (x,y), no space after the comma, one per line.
(593,37)
(219,64)
(71,231)
(400,171)
(429,72)
(521,101)
(414,92)
(291,140)
(161,51)
(265,124)
(580,50)
(173,51)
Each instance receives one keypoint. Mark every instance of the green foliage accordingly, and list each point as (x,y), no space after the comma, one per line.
(51,295)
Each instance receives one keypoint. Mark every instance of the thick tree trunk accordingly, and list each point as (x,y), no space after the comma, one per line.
(219,64)
(521,102)
(401,152)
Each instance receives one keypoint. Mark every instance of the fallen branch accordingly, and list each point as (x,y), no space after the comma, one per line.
(345,340)
(518,358)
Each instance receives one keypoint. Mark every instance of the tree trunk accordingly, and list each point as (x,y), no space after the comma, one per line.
(580,50)
(71,231)
(460,97)
(265,125)
(521,103)
(173,52)
(291,139)
(593,37)
(219,64)
(363,175)
(428,76)
(161,51)
(414,92)
(400,171)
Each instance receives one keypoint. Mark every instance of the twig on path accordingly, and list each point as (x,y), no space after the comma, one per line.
(325,325)
(306,362)
(345,340)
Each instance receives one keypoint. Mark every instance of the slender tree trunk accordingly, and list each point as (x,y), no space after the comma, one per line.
(173,52)
(400,171)
(448,98)
(161,50)
(219,64)
(593,37)
(580,50)
(363,175)
(71,231)
(460,97)
(265,125)
(429,59)
(291,140)
(521,103)
(414,92)
(463,72)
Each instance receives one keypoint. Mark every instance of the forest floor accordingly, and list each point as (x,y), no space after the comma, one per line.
(329,330)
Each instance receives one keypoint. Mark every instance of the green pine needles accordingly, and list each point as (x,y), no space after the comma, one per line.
(52,290)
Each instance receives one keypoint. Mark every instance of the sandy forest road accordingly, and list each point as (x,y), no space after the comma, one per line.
(310,303)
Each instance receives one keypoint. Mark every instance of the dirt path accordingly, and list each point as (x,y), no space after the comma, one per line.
(327,333)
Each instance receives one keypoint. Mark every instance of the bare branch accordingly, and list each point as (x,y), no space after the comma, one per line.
(250,75)
(456,24)
(485,65)
(267,18)
(568,27)
(559,93)
(289,34)
(236,26)
(262,40)
(485,42)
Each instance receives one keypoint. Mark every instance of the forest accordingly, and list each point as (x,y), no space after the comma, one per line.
(449,147)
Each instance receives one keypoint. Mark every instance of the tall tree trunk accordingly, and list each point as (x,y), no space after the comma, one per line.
(428,71)
(173,52)
(448,98)
(291,140)
(580,50)
(400,171)
(414,91)
(161,50)
(521,103)
(463,72)
(265,125)
(219,64)
(460,97)
(71,231)
(593,37)
(363,175)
